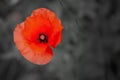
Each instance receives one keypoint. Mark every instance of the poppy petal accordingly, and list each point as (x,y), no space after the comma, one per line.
(37,54)
(55,23)
(43,57)
(56,39)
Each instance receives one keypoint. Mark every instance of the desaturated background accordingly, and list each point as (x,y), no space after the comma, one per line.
(90,48)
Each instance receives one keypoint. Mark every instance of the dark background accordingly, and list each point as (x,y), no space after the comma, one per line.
(90,48)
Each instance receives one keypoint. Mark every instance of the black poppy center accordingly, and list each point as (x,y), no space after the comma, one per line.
(43,38)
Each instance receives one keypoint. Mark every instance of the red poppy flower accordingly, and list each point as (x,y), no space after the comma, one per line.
(37,34)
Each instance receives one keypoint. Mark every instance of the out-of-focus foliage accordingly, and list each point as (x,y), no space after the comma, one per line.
(90,48)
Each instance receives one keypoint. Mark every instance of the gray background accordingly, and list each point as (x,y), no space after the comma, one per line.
(90,48)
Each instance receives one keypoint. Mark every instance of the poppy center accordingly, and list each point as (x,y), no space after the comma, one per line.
(43,38)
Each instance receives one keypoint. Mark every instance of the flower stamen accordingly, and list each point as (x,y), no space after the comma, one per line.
(43,38)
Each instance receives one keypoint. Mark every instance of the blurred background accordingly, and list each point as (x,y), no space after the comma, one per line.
(90,48)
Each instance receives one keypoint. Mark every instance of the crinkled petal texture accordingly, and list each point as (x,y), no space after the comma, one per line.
(26,36)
